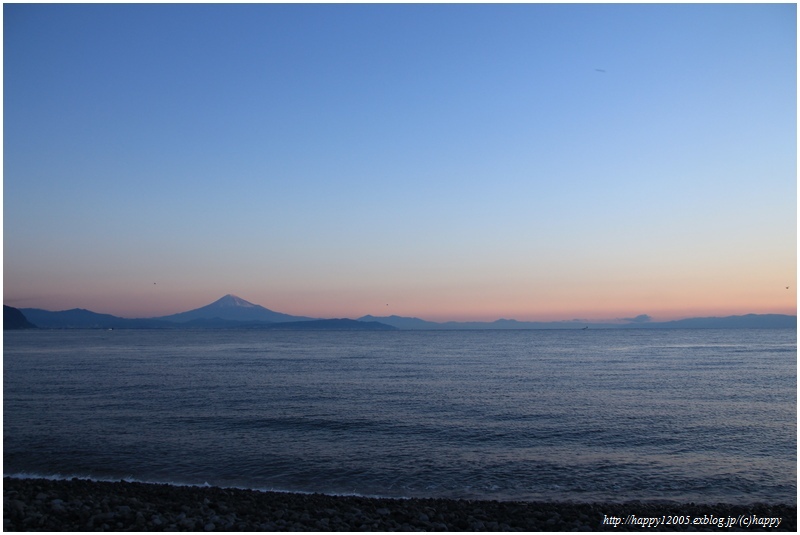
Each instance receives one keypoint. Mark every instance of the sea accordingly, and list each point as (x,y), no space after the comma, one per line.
(704,416)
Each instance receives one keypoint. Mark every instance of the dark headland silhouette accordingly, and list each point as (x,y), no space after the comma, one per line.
(14,319)
(231,311)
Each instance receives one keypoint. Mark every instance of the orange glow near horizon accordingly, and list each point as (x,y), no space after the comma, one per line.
(469,299)
(440,311)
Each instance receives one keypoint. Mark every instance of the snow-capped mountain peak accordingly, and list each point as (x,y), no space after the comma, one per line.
(231,300)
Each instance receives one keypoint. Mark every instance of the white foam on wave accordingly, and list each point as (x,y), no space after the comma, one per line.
(83,477)
(130,479)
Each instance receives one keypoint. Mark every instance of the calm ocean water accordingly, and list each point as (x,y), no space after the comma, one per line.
(600,415)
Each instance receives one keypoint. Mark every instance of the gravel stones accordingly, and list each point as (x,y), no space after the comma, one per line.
(82,505)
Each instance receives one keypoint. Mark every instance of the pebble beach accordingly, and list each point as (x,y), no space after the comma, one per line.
(84,505)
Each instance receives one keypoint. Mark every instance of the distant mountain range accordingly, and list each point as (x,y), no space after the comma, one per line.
(748,321)
(231,311)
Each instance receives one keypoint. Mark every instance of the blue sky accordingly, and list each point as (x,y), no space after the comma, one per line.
(441,161)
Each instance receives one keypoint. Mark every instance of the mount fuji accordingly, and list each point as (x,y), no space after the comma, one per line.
(232,308)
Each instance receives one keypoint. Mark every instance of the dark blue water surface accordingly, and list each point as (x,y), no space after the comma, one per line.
(605,415)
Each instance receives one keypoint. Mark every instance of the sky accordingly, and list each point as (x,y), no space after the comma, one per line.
(448,162)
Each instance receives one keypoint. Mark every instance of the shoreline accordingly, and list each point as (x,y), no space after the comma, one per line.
(87,505)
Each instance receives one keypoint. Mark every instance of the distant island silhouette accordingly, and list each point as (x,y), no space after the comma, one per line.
(231,311)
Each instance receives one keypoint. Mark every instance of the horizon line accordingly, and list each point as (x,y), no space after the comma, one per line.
(642,319)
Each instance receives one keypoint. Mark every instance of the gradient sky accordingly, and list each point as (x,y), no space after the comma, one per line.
(537,162)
